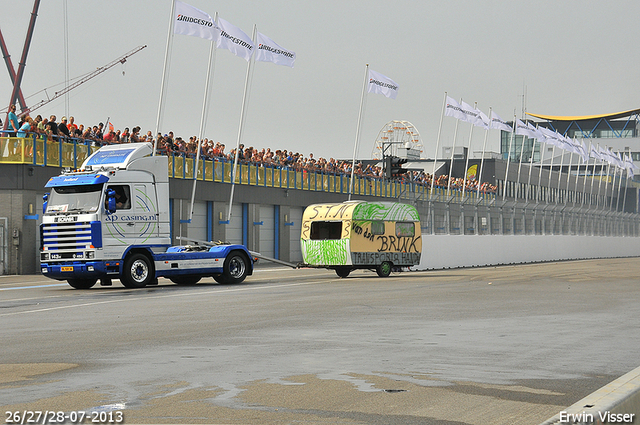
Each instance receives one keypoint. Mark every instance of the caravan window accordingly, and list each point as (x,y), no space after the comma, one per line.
(405,229)
(326,230)
(377,227)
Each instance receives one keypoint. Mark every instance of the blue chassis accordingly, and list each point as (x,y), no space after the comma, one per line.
(174,253)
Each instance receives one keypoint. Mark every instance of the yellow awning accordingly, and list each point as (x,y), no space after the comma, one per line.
(587,117)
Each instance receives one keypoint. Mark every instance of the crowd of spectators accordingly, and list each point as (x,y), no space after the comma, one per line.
(168,144)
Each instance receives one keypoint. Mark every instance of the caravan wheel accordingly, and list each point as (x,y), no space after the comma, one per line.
(384,269)
(343,271)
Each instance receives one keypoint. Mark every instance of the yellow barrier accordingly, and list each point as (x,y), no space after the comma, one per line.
(72,153)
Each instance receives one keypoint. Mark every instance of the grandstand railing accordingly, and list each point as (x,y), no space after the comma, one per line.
(485,215)
(71,153)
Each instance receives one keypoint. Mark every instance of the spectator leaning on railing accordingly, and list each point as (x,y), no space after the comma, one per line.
(210,150)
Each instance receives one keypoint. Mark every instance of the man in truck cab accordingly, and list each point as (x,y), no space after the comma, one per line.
(122,200)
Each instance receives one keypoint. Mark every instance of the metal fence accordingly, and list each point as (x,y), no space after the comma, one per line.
(442,212)
(72,153)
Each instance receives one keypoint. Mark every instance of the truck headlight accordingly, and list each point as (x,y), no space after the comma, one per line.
(44,256)
(89,254)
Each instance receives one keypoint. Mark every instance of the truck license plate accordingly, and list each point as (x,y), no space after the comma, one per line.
(67,269)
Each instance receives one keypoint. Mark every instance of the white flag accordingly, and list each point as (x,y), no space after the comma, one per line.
(191,21)
(583,151)
(453,109)
(380,84)
(551,137)
(537,133)
(470,113)
(235,40)
(523,129)
(482,120)
(630,166)
(593,153)
(499,123)
(269,51)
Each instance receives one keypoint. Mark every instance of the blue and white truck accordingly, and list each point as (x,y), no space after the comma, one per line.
(110,220)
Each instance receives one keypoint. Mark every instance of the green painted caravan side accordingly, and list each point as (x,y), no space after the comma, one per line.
(361,234)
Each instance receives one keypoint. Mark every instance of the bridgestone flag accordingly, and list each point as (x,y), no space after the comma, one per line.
(269,51)
(235,40)
(499,123)
(380,84)
(191,21)
(462,111)
(523,129)
(482,120)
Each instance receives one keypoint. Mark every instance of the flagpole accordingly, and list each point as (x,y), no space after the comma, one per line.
(619,189)
(575,190)
(606,183)
(569,171)
(435,157)
(600,184)
(606,188)
(212,56)
(560,176)
(524,137)
(542,150)
(466,165)
(553,155)
(210,73)
(584,181)
(613,187)
(242,111)
(484,145)
(506,172)
(569,177)
(622,169)
(165,72)
(453,148)
(355,144)
(526,189)
(593,173)
(626,182)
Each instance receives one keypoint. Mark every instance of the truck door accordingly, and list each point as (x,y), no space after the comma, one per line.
(144,217)
(135,219)
(117,229)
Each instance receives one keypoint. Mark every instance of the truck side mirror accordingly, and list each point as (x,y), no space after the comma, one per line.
(111,201)
(45,199)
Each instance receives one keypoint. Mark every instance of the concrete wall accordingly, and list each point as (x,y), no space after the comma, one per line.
(442,251)
(22,187)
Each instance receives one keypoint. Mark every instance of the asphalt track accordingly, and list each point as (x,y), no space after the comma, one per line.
(494,345)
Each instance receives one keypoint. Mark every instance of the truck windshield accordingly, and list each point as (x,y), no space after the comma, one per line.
(84,198)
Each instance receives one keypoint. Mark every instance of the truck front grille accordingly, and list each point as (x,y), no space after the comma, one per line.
(67,236)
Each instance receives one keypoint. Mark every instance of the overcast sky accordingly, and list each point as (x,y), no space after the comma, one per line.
(569,57)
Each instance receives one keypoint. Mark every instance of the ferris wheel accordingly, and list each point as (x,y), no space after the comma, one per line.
(398,138)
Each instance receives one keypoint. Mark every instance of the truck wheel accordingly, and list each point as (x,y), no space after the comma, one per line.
(137,272)
(343,271)
(82,283)
(235,268)
(384,269)
(185,280)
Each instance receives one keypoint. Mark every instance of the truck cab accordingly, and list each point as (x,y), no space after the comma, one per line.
(110,219)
